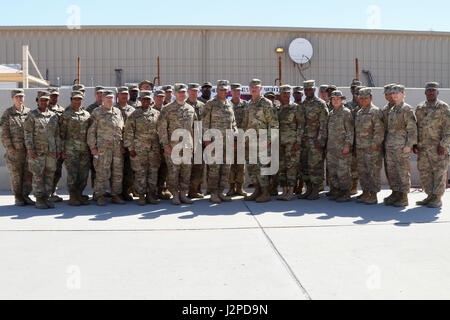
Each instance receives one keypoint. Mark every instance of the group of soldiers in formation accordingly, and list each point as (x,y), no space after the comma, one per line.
(126,144)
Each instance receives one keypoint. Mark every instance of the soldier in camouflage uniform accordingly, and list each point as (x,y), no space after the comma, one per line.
(133,101)
(339,148)
(98,99)
(58,110)
(298,99)
(163,192)
(168,91)
(400,139)
(106,143)
(206,92)
(291,118)
(433,122)
(218,114)
(141,139)
(12,136)
(195,188)
(75,123)
(260,115)
(314,141)
(273,180)
(385,112)
(369,129)
(146,85)
(128,174)
(177,115)
(79,87)
(237,171)
(42,139)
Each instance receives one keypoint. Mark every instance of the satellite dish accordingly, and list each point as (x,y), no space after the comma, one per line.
(300,51)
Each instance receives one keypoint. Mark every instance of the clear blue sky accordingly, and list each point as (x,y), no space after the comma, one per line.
(397,15)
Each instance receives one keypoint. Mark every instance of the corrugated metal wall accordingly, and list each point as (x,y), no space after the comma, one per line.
(197,54)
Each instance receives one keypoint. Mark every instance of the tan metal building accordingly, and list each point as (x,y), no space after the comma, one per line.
(199,53)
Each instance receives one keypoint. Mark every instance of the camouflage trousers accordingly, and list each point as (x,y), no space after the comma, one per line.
(398,166)
(312,163)
(339,169)
(354,166)
(237,172)
(369,169)
(433,170)
(128,174)
(43,169)
(254,171)
(385,167)
(197,176)
(162,172)
(179,176)
(92,168)
(58,174)
(19,173)
(77,166)
(146,165)
(109,167)
(218,175)
(289,160)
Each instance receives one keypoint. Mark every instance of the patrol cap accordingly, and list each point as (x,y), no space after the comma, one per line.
(255,83)
(180,87)
(193,86)
(332,87)
(133,87)
(297,89)
(269,94)
(310,84)
(17,93)
(41,94)
(207,84)
(53,91)
(432,86)
(355,83)
(337,94)
(78,87)
(167,88)
(236,86)
(145,94)
(365,93)
(159,93)
(123,90)
(99,89)
(222,84)
(388,88)
(323,88)
(145,82)
(285,89)
(76,94)
(358,88)
(398,88)
(108,94)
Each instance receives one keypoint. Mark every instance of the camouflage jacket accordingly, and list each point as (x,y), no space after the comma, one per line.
(260,115)
(292,123)
(401,127)
(92,107)
(239,112)
(41,131)
(126,111)
(175,116)
(198,106)
(353,106)
(369,127)
(316,115)
(201,99)
(58,109)
(141,130)
(74,128)
(106,129)
(341,129)
(433,123)
(12,123)
(219,115)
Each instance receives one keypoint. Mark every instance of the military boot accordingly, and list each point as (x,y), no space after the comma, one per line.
(232,190)
(426,201)
(289,194)
(333,191)
(371,198)
(344,196)
(273,190)
(362,198)
(55,198)
(73,199)
(185,199)
(224,197)
(265,196)
(337,193)
(84,200)
(402,200)
(436,202)
(101,201)
(314,195)
(151,198)
(308,191)
(28,200)
(19,201)
(117,200)
(389,201)
(215,198)
(175,198)
(255,194)
(281,196)
(126,197)
(240,191)
(354,190)
(321,187)
(194,194)
(142,201)
(50,204)
(40,203)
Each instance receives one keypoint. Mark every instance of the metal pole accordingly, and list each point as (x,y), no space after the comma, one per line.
(357,68)
(25,67)
(280,71)
(79,70)
(159,72)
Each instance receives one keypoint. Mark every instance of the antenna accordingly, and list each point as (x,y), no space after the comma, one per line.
(301,52)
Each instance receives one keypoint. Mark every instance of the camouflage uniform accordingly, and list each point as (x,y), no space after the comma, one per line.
(385,112)
(41,131)
(74,129)
(219,115)
(237,171)
(176,116)
(58,110)
(12,136)
(141,135)
(105,135)
(197,169)
(433,122)
(92,107)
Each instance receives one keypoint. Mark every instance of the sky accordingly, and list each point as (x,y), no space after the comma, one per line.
(390,15)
